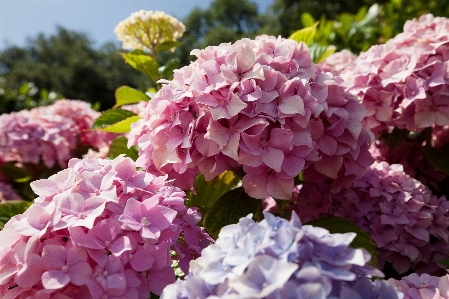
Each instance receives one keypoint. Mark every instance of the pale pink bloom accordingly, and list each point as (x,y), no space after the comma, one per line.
(403,83)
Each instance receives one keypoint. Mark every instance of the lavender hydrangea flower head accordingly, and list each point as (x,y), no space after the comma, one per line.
(404,83)
(277,258)
(408,224)
(99,229)
(261,106)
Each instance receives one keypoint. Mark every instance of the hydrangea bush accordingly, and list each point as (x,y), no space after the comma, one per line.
(177,208)
(99,229)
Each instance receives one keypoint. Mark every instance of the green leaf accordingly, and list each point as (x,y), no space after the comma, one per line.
(143,62)
(15,173)
(167,45)
(438,157)
(396,137)
(229,208)
(115,121)
(318,53)
(307,19)
(12,208)
(207,192)
(120,146)
(443,262)
(305,35)
(125,95)
(343,225)
(166,71)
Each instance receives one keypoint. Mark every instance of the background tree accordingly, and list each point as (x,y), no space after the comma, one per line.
(224,21)
(66,62)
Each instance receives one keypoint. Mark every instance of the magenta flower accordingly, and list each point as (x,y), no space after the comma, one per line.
(147,217)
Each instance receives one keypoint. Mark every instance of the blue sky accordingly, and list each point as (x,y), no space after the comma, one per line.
(20,19)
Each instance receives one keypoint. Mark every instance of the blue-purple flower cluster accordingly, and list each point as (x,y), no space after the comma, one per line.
(281,259)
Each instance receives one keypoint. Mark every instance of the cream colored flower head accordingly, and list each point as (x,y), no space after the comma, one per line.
(145,30)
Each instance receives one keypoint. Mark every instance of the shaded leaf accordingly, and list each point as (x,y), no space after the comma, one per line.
(207,192)
(318,53)
(438,157)
(11,208)
(229,208)
(120,146)
(167,45)
(396,137)
(115,121)
(125,95)
(443,262)
(305,35)
(143,62)
(343,225)
(166,71)
(15,173)
(307,19)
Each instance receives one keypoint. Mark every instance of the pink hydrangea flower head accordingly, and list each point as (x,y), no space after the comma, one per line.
(50,135)
(101,227)
(414,161)
(403,83)
(338,62)
(407,223)
(254,104)
(415,286)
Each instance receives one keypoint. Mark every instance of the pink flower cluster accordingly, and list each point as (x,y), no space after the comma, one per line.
(99,229)
(51,134)
(261,106)
(404,82)
(415,163)
(338,62)
(408,224)
(423,286)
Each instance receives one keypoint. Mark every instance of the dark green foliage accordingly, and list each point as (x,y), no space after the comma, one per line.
(67,63)
(229,208)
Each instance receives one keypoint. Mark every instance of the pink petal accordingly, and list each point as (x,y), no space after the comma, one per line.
(55,279)
(142,260)
(292,105)
(80,273)
(329,166)
(245,58)
(234,106)
(273,158)
(44,187)
(280,187)
(159,279)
